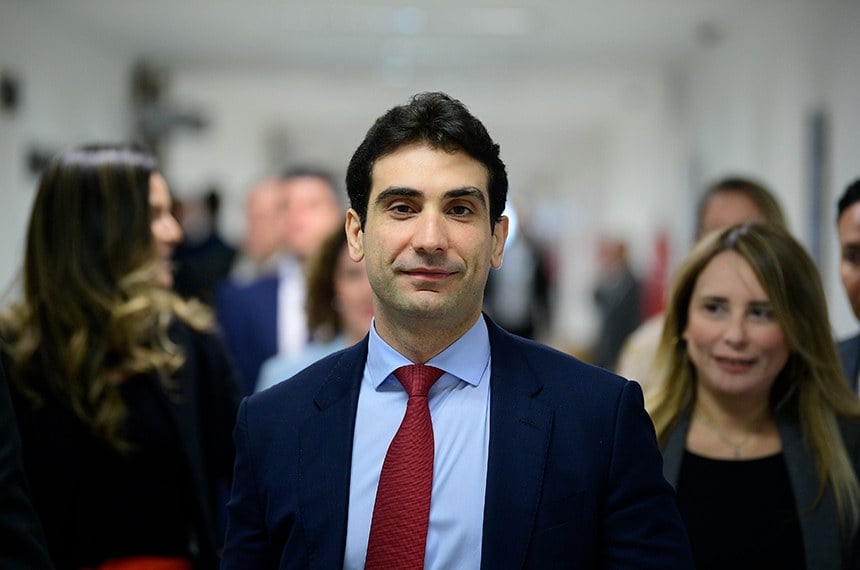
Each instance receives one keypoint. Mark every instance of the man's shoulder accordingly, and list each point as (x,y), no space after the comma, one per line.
(248,295)
(239,288)
(555,369)
(851,342)
(339,370)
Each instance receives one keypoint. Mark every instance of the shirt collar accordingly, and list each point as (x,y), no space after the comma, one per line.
(466,358)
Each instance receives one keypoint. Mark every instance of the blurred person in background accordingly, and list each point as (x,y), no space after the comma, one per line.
(202,259)
(124,398)
(263,237)
(618,298)
(848,226)
(759,431)
(517,295)
(22,542)
(339,309)
(727,202)
(267,316)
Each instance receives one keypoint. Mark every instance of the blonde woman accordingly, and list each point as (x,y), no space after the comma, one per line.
(124,399)
(759,431)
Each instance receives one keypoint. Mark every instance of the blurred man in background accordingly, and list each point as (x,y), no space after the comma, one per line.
(618,299)
(848,226)
(267,316)
(263,239)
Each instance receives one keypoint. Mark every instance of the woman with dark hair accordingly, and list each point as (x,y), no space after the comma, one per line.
(125,401)
(759,431)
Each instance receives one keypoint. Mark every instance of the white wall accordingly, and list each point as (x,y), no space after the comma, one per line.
(73,89)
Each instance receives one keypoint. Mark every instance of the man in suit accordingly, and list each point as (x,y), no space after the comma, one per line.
(267,316)
(538,460)
(848,226)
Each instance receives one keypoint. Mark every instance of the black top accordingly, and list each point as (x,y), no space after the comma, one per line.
(22,544)
(159,498)
(740,514)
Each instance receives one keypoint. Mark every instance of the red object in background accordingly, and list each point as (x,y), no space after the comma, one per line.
(655,283)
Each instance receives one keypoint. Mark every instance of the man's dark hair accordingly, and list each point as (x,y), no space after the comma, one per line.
(310,171)
(851,195)
(763,198)
(441,122)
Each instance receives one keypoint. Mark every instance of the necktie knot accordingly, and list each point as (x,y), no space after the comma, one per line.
(417,379)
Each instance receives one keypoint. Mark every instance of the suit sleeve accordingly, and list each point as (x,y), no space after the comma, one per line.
(22,544)
(246,544)
(642,525)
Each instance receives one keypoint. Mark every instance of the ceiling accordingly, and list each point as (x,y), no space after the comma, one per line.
(497,36)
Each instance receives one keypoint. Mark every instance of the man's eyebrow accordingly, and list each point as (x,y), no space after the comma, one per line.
(396,192)
(467,192)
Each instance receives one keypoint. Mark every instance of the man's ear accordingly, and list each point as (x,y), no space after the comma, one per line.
(354,235)
(500,235)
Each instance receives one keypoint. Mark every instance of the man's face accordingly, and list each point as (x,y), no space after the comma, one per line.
(725,209)
(311,213)
(263,227)
(427,239)
(849,264)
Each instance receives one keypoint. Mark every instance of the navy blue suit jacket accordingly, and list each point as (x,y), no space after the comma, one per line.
(248,315)
(574,472)
(849,355)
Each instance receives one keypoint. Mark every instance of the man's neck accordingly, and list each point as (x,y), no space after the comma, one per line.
(419,339)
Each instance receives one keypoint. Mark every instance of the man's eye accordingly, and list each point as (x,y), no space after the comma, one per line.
(461,210)
(851,256)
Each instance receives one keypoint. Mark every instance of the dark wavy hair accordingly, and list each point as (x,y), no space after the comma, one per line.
(94,312)
(441,122)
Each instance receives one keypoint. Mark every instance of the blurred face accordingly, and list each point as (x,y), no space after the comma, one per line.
(849,264)
(733,338)
(427,240)
(353,295)
(312,213)
(263,224)
(165,228)
(725,209)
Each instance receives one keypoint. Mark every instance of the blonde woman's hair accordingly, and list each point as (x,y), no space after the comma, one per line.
(811,386)
(93,311)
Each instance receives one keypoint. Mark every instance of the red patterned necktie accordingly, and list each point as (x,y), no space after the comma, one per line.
(398,530)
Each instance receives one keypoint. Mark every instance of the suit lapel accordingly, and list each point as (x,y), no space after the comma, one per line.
(520,427)
(820,531)
(326,456)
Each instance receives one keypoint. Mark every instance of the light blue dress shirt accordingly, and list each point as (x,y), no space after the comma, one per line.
(281,367)
(460,409)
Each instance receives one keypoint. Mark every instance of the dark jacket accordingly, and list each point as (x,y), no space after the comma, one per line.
(161,496)
(574,476)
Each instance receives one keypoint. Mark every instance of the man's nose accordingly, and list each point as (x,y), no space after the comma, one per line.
(430,232)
